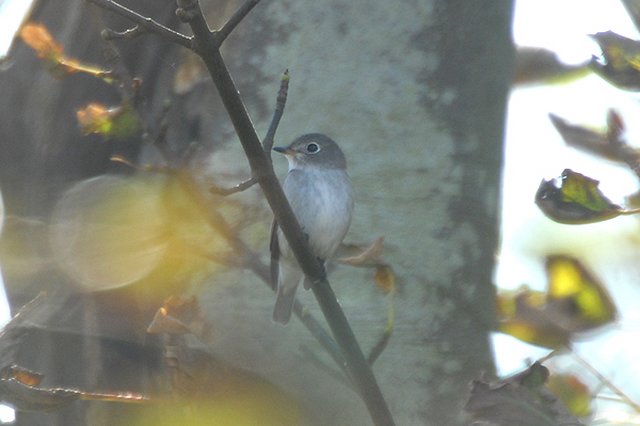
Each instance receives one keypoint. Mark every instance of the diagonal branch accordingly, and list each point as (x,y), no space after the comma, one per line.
(235,19)
(262,169)
(144,22)
(267,143)
(207,46)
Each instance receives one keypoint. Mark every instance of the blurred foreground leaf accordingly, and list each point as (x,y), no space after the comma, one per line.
(19,387)
(575,301)
(109,231)
(576,298)
(620,60)
(577,201)
(112,122)
(37,37)
(609,143)
(521,399)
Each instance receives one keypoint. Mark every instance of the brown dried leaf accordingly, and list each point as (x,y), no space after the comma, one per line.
(38,37)
(521,399)
(370,256)
(385,278)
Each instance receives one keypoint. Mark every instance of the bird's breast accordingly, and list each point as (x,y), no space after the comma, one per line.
(322,201)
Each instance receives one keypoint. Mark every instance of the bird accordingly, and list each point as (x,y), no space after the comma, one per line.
(320,193)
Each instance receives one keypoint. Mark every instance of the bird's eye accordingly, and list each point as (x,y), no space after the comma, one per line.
(312,148)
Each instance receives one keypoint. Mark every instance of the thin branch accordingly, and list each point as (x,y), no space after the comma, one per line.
(267,143)
(246,184)
(623,396)
(235,19)
(383,341)
(109,34)
(147,23)
(281,101)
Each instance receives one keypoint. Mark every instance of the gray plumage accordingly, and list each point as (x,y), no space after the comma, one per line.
(320,193)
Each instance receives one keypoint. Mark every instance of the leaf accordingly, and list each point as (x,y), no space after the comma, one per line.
(385,278)
(575,301)
(577,201)
(585,139)
(620,60)
(30,398)
(608,143)
(37,37)
(18,387)
(521,399)
(370,256)
(521,315)
(24,376)
(576,298)
(116,122)
(573,393)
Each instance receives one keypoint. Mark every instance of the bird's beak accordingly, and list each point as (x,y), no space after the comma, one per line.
(283,150)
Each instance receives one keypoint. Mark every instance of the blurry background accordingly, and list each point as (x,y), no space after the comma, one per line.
(377,119)
(535,150)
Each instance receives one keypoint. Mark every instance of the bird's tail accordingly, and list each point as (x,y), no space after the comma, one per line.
(284,304)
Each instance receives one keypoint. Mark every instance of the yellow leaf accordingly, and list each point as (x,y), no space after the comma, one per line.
(575,301)
(589,302)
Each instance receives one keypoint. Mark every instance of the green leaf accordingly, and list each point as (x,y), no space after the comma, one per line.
(577,201)
(117,122)
(620,60)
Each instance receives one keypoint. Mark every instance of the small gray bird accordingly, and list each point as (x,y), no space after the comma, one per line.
(320,193)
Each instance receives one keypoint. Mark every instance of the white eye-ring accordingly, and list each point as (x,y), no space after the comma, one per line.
(313,148)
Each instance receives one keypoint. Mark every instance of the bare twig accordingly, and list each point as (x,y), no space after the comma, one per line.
(147,23)
(267,143)
(234,189)
(235,19)
(109,34)
(606,382)
(383,341)
(281,101)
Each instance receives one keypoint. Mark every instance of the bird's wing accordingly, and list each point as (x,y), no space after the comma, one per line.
(274,247)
